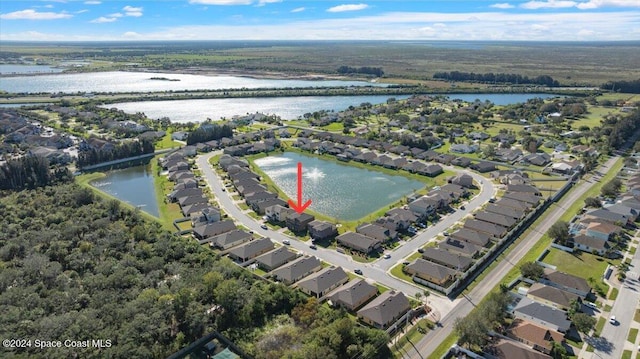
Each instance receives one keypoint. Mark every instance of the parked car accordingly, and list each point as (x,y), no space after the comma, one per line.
(612,320)
(286,241)
(462,208)
(387,256)
(264,226)
(420,250)
(358,271)
(313,246)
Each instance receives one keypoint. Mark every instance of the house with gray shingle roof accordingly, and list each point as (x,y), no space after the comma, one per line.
(296,270)
(459,247)
(251,250)
(385,309)
(565,281)
(353,294)
(358,242)
(213,229)
(485,227)
(320,283)
(422,269)
(538,313)
(229,239)
(495,218)
(275,258)
(447,259)
(471,236)
(552,296)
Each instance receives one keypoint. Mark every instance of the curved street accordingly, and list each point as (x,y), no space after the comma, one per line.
(377,271)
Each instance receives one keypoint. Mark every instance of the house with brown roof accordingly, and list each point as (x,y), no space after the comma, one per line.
(535,336)
(298,222)
(213,229)
(459,247)
(275,258)
(495,218)
(353,294)
(551,296)
(425,270)
(515,204)
(504,210)
(251,250)
(507,349)
(567,282)
(385,309)
(591,244)
(321,230)
(358,242)
(528,198)
(322,282)
(228,240)
(376,231)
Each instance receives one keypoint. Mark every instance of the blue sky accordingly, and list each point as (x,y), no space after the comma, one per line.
(105,20)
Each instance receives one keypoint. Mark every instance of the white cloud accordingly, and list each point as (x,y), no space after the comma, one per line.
(31,14)
(132,11)
(82,11)
(348,7)
(116,15)
(221,2)
(502,5)
(131,35)
(594,4)
(93,2)
(298,9)
(549,4)
(265,2)
(103,20)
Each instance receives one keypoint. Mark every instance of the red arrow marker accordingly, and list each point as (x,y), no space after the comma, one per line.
(299,207)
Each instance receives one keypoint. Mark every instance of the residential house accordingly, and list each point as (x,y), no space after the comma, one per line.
(544,315)
(495,218)
(461,162)
(513,203)
(523,188)
(250,250)
(470,236)
(459,247)
(322,282)
(321,230)
(463,148)
(445,158)
(259,196)
(190,200)
(431,170)
(385,309)
(463,180)
(485,227)
(447,259)
(261,207)
(539,338)
(229,239)
(552,296)
(483,166)
(298,222)
(424,206)
(186,192)
(423,270)
(457,190)
(401,217)
(508,154)
(591,244)
(275,258)
(567,282)
(195,208)
(278,213)
(213,229)
(538,159)
(631,213)
(531,199)
(358,242)
(353,294)
(605,215)
(505,211)
(507,349)
(377,232)
(206,215)
(601,230)
(296,270)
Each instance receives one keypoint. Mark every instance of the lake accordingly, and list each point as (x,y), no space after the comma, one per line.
(133,185)
(122,81)
(337,190)
(289,108)
(8,69)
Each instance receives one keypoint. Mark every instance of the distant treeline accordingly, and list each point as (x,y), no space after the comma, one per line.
(623,86)
(124,150)
(543,80)
(376,71)
(209,132)
(31,172)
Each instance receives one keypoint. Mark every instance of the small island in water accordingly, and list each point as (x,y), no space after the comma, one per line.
(163,79)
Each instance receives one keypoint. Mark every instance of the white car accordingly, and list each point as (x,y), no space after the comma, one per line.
(286,241)
(387,256)
(613,320)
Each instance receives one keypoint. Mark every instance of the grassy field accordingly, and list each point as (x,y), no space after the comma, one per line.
(580,264)
(613,295)
(633,333)
(636,316)
(405,344)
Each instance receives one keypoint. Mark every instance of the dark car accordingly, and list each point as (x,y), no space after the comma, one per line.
(264,226)
(358,271)
(313,246)
(420,250)
(462,208)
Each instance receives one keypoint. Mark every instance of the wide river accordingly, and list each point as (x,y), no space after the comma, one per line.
(122,81)
(340,191)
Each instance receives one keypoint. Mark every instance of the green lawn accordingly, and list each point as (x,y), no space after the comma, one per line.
(607,308)
(444,347)
(334,127)
(397,272)
(166,142)
(614,294)
(599,325)
(626,354)
(636,317)
(633,333)
(413,335)
(580,264)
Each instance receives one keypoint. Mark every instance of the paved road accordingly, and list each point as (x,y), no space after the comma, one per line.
(377,271)
(430,342)
(613,337)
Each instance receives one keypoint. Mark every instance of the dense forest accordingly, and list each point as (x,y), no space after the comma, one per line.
(31,172)
(208,132)
(74,266)
(623,86)
(543,80)
(128,149)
